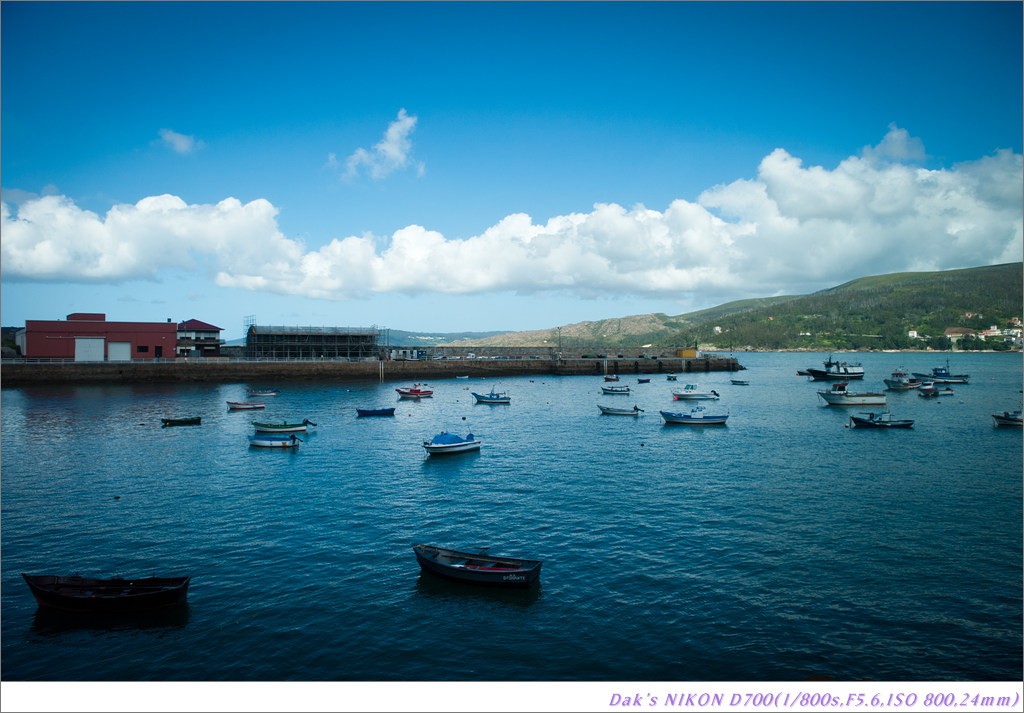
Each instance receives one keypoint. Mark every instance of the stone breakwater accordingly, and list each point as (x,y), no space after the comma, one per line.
(25,373)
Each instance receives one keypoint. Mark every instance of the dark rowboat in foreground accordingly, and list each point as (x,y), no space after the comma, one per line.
(477,568)
(375,412)
(187,421)
(107,596)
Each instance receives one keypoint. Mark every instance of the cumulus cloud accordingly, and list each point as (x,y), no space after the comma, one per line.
(792,229)
(392,153)
(179,143)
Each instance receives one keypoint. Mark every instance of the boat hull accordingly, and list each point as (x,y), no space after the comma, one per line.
(363,412)
(852,399)
(270,441)
(242,405)
(438,449)
(282,427)
(878,422)
(478,569)
(1008,418)
(491,398)
(694,420)
(612,411)
(614,390)
(107,596)
(194,421)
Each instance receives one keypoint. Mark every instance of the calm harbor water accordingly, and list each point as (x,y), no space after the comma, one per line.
(783,546)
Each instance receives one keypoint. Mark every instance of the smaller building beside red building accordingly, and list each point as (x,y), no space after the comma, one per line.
(88,336)
(197,338)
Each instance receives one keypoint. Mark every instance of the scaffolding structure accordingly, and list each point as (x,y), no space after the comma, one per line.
(272,342)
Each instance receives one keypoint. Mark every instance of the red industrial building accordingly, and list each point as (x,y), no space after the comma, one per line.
(87,336)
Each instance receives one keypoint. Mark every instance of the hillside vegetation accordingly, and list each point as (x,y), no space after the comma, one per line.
(868,313)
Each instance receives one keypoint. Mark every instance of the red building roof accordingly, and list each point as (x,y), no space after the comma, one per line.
(194,325)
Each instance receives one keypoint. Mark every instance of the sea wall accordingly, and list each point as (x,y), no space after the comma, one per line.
(16,372)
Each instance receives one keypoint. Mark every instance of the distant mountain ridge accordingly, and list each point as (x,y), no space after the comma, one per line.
(870,312)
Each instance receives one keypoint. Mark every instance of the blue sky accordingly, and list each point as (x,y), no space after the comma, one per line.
(495,166)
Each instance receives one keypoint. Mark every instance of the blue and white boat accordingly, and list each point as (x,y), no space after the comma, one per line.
(445,442)
(270,440)
(494,397)
(690,392)
(615,389)
(942,375)
(697,416)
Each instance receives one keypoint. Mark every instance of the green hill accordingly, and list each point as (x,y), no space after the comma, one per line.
(868,313)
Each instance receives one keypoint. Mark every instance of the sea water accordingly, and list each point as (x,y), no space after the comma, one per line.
(782,546)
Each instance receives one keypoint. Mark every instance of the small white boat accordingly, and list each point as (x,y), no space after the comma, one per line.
(690,392)
(740,382)
(697,416)
(269,440)
(243,405)
(262,392)
(670,377)
(445,442)
(1008,418)
(929,390)
(838,395)
(494,397)
(613,411)
(615,389)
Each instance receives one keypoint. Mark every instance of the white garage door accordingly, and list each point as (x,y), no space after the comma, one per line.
(89,348)
(119,351)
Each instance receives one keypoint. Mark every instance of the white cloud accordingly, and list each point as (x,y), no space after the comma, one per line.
(179,143)
(792,229)
(390,154)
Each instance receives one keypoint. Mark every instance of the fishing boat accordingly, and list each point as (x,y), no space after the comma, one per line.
(262,392)
(416,391)
(107,596)
(478,568)
(615,389)
(283,427)
(942,375)
(612,411)
(245,405)
(444,443)
(838,395)
(929,390)
(375,412)
(494,397)
(271,440)
(611,377)
(1007,418)
(697,416)
(879,420)
(900,380)
(671,377)
(690,392)
(834,371)
(186,421)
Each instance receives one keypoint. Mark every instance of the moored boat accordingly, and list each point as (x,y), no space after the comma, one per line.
(271,440)
(900,380)
(416,391)
(879,420)
(375,411)
(929,390)
(671,377)
(262,392)
(838,395)
(942,375)
(615,389)
(611,377)
(739,382)
(613,411)
(107,596)
(245,405)
(494,397)
(444,443)
(697,416)
(478,568)
(643,380)
(283,427)
(1008,418)
(835,371)
(185,421)
(690,392)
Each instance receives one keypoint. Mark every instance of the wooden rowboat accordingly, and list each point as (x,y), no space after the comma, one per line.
(477,568)
(272,440)
(85,594)
(283,427)
(240,405)
(375,411)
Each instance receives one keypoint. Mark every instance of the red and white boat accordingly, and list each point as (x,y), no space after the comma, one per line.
(416,391)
